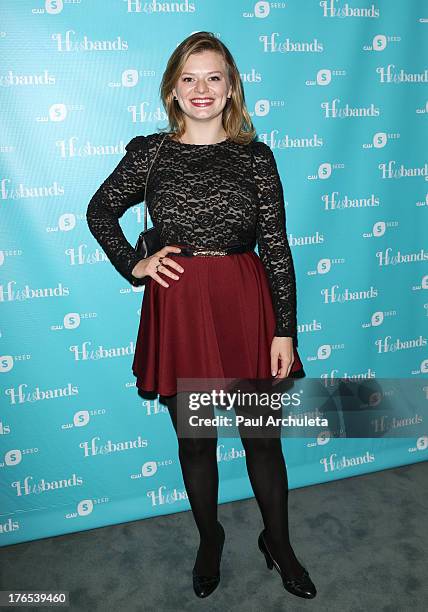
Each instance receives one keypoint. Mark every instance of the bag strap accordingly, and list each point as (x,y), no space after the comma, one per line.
(252,156)
(148,174)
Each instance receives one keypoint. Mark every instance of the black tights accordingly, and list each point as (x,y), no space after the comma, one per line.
(198,460)
(268,476)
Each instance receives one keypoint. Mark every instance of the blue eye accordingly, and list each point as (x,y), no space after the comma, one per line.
(213,77)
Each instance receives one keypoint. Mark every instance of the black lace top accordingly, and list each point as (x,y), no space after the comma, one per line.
(207,196)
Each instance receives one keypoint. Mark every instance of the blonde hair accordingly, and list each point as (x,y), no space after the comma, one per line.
(236,118)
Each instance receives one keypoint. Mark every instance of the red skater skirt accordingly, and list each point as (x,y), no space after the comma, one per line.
(216,321)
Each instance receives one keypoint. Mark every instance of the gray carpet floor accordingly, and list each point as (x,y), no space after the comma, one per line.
(364,541)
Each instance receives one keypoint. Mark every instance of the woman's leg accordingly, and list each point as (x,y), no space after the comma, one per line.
(268,476)
(198,460)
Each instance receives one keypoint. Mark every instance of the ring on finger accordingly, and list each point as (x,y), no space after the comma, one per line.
(160,263)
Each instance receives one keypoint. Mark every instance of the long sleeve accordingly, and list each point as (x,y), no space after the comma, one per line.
(273,246)
(123,188)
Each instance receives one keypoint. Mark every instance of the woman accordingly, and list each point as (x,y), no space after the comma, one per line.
(212,307)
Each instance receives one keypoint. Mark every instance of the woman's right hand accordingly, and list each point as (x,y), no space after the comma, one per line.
(148,265)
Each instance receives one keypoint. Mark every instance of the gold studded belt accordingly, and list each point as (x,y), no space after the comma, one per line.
(190,251)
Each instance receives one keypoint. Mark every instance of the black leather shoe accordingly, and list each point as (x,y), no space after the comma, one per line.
(301,586)
(205,585)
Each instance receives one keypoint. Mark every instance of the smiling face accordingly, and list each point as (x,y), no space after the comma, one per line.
(202,88)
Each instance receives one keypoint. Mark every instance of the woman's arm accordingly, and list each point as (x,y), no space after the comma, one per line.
(123,188)
(273,246)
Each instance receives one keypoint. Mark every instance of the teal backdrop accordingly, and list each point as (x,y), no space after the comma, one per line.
(338,90)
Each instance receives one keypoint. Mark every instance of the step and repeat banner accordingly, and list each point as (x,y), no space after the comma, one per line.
(338,90)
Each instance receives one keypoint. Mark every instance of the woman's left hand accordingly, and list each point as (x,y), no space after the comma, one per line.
(281,356)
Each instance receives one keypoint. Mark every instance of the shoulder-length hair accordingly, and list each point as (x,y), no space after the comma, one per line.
(236,119)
